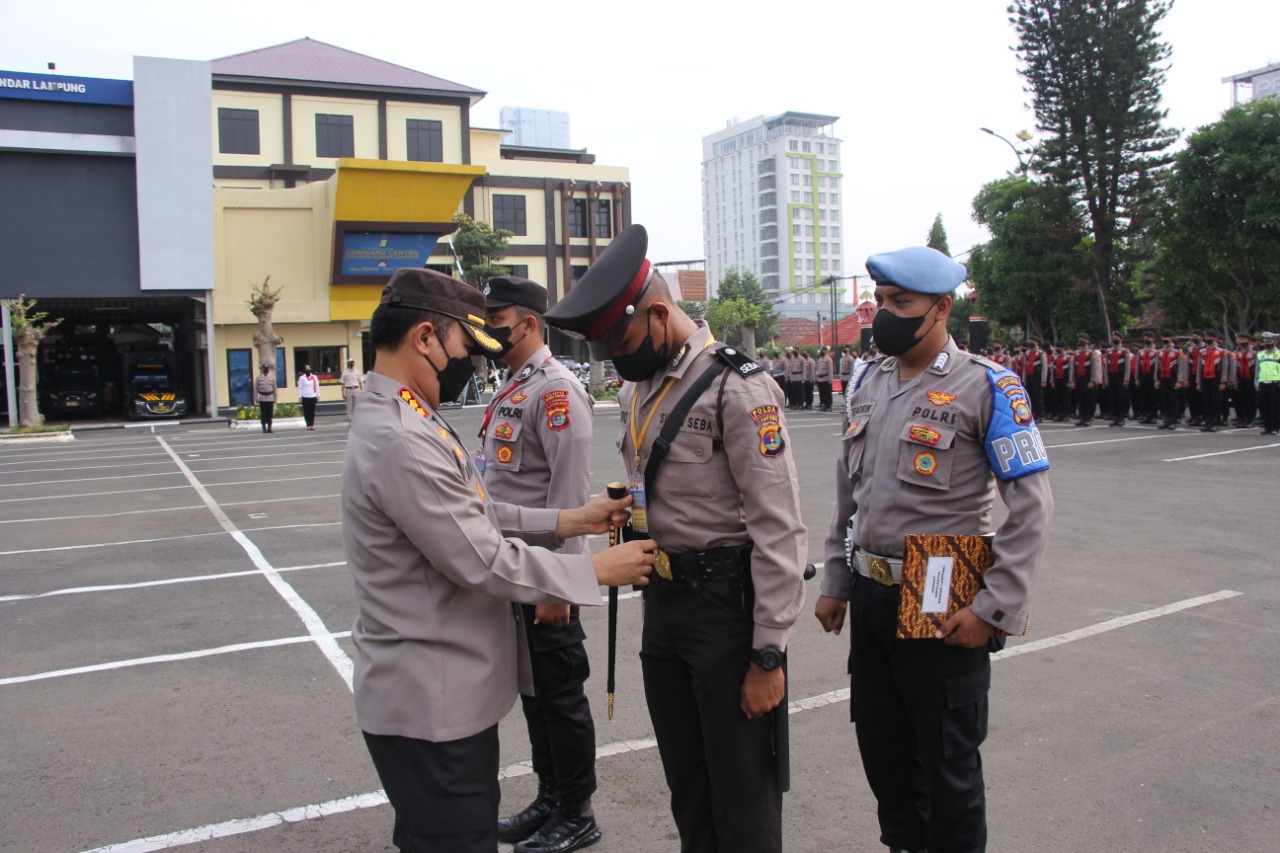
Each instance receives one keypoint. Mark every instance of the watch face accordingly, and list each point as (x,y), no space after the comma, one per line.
(768,658)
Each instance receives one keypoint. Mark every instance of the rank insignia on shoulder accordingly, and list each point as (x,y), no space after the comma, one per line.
(740,362)
(769,425)
(557,403)
(407,396)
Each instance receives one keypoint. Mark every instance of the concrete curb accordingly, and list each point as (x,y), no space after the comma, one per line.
(38,438)
(281,423)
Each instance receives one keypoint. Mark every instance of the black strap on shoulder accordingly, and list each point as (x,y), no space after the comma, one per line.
(662,444)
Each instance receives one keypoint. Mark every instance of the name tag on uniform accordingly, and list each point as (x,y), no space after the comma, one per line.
(639,503)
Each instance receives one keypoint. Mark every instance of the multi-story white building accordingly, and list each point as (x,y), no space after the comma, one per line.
(771,205)
(535,128)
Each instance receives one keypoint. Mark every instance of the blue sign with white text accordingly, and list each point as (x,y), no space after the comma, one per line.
(53,87)
(381,254)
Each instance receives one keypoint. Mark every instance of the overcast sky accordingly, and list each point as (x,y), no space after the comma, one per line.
(912,81)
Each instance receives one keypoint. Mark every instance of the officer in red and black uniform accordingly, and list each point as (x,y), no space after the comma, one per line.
(1195,350)
(1145,401)
(1171,377)
(998,354)
(1243,370)
(1035,367)
(1086,376)
(1212,367)
(1061,375)
(1117,376)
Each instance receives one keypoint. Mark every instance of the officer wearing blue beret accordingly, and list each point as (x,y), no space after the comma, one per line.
(931,434)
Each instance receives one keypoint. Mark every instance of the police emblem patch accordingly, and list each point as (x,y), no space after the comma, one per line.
(769,425)
(926,463)
(852,427)
(925,434)
(1021,411)
(557,403)
(940,398)
(503,431)
(519,398)
(505,453)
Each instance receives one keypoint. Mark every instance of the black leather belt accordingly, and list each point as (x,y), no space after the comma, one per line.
(716,564)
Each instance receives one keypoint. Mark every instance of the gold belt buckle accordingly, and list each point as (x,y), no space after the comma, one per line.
(662,565)
(880,570)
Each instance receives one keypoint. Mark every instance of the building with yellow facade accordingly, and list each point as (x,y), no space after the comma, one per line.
(332,169)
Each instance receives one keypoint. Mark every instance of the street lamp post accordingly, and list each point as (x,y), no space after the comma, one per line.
(1023,136)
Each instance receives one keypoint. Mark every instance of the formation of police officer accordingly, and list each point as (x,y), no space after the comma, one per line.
(535,451)
(931,434)
(707,458)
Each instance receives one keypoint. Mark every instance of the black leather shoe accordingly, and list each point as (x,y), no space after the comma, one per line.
(563,831)
(526,824)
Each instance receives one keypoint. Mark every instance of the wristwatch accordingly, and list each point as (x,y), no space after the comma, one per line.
(769,658)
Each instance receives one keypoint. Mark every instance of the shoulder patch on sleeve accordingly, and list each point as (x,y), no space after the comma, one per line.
(1013,444)
(557,406)
(739,361)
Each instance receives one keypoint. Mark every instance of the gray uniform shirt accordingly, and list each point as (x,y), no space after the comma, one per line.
(883,485)
(717,488)
(440,653)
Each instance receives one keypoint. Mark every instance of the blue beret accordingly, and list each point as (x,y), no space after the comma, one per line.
(917,268)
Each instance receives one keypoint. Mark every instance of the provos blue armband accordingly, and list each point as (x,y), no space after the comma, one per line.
(1013,444)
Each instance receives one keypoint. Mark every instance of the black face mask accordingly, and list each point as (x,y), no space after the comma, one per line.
(502,334)
(646,361)
(454,376)
(307,372)
(897,335)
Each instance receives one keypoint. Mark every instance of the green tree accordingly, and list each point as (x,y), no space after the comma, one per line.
(938,237)
(1094,69)
(745,286)
(1034,272)
(1219,259)
(696,310)
(479,246)
(29,329)
(736,321)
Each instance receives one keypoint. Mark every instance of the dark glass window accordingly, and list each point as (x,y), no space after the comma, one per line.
(577,217)
(426,140)
(508,214)
(521,270)
(604,218)
(238,131)
(335,136)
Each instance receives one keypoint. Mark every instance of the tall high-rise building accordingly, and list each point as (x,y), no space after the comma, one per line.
(535,128)
(771,205)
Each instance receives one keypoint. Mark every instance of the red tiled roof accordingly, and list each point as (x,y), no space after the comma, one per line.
(315,61)
(802,332)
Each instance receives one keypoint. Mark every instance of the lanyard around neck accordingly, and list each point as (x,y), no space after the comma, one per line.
(637,440)
(493,404)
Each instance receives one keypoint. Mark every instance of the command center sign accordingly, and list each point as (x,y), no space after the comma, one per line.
(375,254)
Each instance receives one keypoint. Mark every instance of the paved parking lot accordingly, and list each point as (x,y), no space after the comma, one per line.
(175,665)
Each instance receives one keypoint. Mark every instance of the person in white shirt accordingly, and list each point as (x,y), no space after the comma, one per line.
(308,395)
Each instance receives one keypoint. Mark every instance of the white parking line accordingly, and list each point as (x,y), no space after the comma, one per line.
(1108,441)
(1221,453)
(90,494)
(101,514)
(314,624)
(115,587)
(241,826)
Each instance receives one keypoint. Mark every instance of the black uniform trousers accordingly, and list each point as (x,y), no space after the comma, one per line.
(1062,398)
(719,765)
(1086,404)
(806,395)
(824,395)
(309,410)
(1269,405)
(1211,400)
(1170,402)
(266,414)
(561,732)
(1035,395)
(1117,397)
(445,794)
(1145,405)
(920,712)
(1246,402)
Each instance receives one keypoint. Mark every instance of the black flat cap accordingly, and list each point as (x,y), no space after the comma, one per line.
(599,300)
(513,290)
(428,290)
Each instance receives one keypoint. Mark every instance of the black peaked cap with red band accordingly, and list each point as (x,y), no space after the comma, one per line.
(599,300)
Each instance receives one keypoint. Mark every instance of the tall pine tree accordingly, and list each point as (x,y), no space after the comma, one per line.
(1094,70)
(938,237)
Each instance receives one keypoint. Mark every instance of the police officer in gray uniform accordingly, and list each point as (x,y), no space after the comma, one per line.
(931,434)
(536,451)
(440,653)
(724,506)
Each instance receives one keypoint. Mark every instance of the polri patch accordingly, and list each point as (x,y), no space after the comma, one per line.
(925,434)
(505,454)
(940,398)
(926,463)
(769,426)
(557,403)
